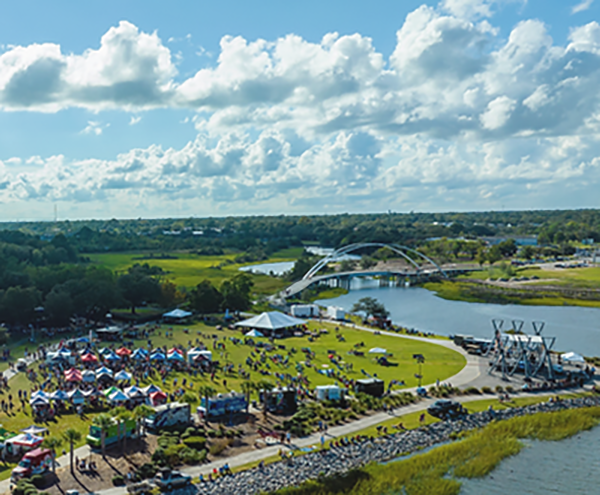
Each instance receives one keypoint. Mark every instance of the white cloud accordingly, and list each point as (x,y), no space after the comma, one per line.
(581,6)
(135,119)
(94,127)
(318,126)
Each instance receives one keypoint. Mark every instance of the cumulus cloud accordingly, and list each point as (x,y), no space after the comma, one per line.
(94,127)
(457,112)
(581,6)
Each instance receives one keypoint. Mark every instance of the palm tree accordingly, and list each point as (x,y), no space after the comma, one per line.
(266,386)
(71,435)
(248,387)
(104,422)
(207,392)
(123,415)
(140,413)
(52,443)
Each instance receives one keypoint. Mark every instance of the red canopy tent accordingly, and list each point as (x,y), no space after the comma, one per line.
(89,358)
(157,398)
(73,375)
(123,351)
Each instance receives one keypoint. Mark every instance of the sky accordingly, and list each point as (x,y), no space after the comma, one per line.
(152,109)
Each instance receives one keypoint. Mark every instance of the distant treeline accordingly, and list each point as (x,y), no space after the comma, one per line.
(266,234)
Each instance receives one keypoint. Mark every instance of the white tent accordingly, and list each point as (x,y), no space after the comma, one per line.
(134,391)
(123,375)
(103,371)
(150,389)
(59,395)
(118,396)
(88,376)
(177,314)
(254,333)
(572,357)
(377,350)
(272,320)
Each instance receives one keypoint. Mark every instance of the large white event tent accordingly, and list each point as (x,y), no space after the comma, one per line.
(177,314)
(572,357)
(273,321)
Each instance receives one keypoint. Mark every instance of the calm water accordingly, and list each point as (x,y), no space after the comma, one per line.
(567,467)
(576,328)
(267,268)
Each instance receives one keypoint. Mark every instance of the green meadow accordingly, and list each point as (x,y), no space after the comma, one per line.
(188,270)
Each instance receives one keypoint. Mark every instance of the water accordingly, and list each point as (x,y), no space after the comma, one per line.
(278,268)
(576,328)
(324,251)
(567,467)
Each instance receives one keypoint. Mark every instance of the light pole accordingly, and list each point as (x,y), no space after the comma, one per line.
(420,360)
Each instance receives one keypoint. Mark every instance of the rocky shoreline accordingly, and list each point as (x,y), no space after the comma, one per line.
(338,460)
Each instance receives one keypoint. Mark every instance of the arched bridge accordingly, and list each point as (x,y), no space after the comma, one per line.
(415,259)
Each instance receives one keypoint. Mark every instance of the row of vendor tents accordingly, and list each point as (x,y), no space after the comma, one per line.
(139,354)
(151,394)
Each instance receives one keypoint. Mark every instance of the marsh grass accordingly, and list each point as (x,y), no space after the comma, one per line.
(437,471)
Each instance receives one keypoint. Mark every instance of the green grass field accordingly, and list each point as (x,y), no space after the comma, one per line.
(188,270)
(441,363)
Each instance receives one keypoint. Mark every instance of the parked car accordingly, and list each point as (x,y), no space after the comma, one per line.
(447,409)
(168,480)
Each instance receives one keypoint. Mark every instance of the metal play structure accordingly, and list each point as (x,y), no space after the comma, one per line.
(517,351)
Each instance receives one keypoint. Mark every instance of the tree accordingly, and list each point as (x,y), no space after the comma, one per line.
(346,266)
(140,413)
(247,388)
(205,298)
(170,295)
(71,436)
(236,292)
(371,307)
(206,391)
(189,398)
(494,254)
(137,288)
(18,305)
(52,443)
(266,386)
(123,415)
(508,248)
(528,252)
(367,262)
(58,305)
(104,422)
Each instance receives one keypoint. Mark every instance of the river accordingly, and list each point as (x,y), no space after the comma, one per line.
(566,467)
(575,328)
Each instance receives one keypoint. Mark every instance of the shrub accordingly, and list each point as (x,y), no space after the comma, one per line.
(218,446)
(166,440)
(23,486)
(472,391)
(499,389)
(147,470)
(118,480)
(190,456)
(487,390)
(38,480)
(197,443)
(509,390)
(173,454)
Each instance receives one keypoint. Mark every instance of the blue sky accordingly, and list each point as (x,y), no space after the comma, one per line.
(153,109)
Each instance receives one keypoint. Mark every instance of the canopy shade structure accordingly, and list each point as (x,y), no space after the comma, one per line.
(118,396)
(177,314)
(112,357)
(134,391)
(88,376)
(39,393)
(109,331)
(254,333)
(35,430)
(26,440)
(139,354)
(38,401)
(157,356)
(104,371)
(572,357)
(272,320)
(123,351)
(76,396)
(110,391)
(73,375)
(89,358)
(175,356)
(59,395)
(123,375)
(150,389)
(377,350)
(90,393)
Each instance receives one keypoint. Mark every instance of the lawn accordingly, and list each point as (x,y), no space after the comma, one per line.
(441,363)
(188,270)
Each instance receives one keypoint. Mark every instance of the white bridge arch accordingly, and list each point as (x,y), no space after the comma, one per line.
(403,251)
